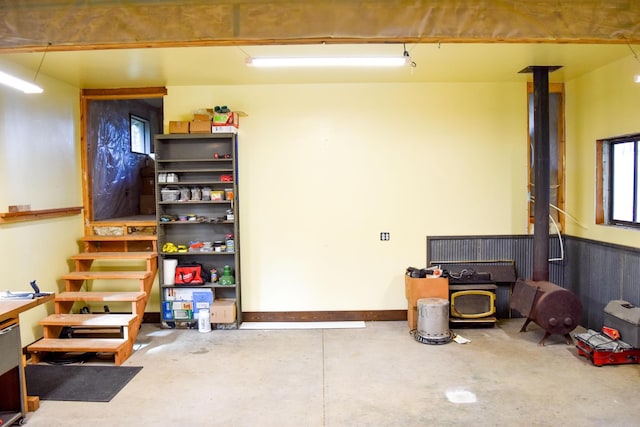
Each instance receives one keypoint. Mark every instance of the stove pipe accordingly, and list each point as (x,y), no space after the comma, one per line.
(541,164)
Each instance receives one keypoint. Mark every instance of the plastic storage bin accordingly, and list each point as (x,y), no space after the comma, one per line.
(625,317)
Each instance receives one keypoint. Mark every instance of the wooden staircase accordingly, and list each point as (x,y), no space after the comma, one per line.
(120,258)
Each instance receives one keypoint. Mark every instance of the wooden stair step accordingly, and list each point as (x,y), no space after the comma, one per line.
(125,237)
(101,296)
(100,320)
(99,275)
(125,243)
(106,345)
(120,347)
(125,223)
(65,301)
(114,255)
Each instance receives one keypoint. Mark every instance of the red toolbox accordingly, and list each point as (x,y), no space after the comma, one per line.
(602,350)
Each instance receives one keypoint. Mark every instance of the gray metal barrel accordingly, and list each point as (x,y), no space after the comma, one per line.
(433,321)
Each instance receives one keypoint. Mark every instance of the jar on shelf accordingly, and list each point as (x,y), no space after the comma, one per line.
(227,278)
(230,242)
(206,193)
(185,194)
(196,193)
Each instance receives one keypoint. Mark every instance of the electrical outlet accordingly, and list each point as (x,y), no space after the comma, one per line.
(385,235)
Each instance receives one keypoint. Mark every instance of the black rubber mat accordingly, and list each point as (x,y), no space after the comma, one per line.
(81,383)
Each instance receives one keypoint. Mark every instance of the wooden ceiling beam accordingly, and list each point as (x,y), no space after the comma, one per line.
(34,25)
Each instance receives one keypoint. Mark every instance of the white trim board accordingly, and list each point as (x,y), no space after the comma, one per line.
(303,325)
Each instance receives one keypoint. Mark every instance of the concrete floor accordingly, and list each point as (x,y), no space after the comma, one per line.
(373,376)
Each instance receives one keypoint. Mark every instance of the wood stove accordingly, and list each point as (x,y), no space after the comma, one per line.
(478,291)
(472,295)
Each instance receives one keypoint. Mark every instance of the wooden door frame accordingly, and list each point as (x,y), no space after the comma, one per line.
(86,96)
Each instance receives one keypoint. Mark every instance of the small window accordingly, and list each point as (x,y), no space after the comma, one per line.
(140,135)
(618,176)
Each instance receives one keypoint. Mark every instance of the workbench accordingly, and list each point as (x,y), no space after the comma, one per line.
(13,392)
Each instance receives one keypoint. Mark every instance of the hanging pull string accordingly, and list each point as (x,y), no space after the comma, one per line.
(41,61)
(631,49)
(245,52)
(406,54)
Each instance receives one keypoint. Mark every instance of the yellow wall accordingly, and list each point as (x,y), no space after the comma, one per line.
(325,168)
(601,104)
(40,166)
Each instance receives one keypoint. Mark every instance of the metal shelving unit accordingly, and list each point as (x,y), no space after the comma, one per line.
(189,169)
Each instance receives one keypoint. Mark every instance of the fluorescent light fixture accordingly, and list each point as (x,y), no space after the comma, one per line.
(392,61)
(16,83)
(636,78)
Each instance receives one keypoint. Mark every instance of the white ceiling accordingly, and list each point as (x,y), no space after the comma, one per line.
(225,65)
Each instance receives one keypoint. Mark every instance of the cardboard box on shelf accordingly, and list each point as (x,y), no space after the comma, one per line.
(223,310)
(226,119)
(182,310)
(200,126)
(202,299)
(202,117)
(416,288)
(167,310)
(178,127)
(224,129)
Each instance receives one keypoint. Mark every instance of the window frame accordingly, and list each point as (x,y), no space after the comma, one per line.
(604,181)
(147,149)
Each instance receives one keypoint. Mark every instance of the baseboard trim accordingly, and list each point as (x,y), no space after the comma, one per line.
(323,316)
(153,317)
(308,316)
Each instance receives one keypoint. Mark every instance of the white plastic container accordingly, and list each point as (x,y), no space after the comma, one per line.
(169,194)
(204,320)
(169,271)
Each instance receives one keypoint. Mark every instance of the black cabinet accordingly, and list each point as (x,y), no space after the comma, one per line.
(12,405)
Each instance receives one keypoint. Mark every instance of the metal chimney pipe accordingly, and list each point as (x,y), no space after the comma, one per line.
(541,164)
